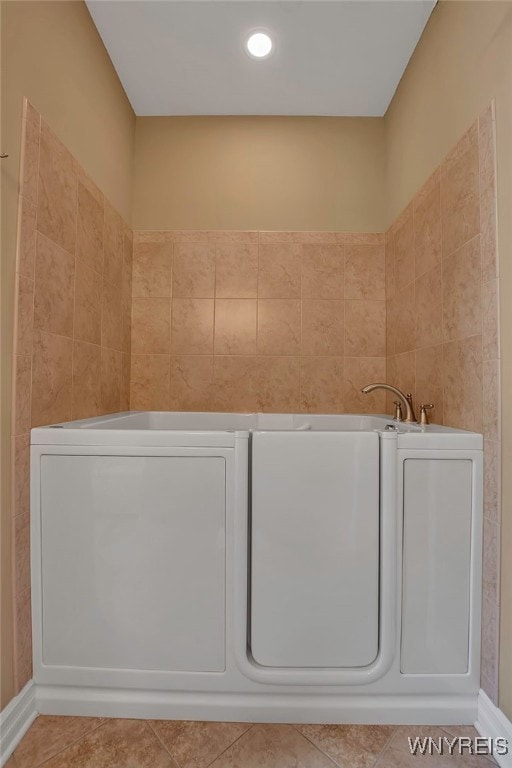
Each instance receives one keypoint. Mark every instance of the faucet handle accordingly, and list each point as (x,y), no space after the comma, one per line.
(423,412)
(398,410)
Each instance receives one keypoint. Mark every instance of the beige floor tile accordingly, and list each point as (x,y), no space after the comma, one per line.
(197,744)
(116,744)
(49,735)
(272,746)
(350,746)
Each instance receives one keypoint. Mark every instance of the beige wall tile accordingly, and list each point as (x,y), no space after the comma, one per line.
(361,238)
(51,379)
(360,371)
(279,326)
(24,315)
(278,384)
(150,379)
(193,271)
(235,383)
(235,326)
(321,384)
(492,484)
(389,251)
(21,555)
(125,382)
(490,320)
(30,159)
(491,560)
(113,245)
(89,235)
(365,272)
(488,233)
(236,271)
(57,192)
(462,292)
(427,227)
(486,148)
(279,271)
(319,237)
(490,635)
(405,320)
(322,327)
(429,380)
(88,301)
(110,380)
(192,326)
(391,326)
(22,394)
(23,638)
(404,251)
(26,240)
(237,237)
(491,399)
(460,219)
(365,328)
(191,383)
(429,308)
(54,288)
(192,235)
(111,316)
(462,383)
(21,476)
(270,238)
(151,330)
(404,372)
(152,270)
(322,271)
(86,380)
(126,311)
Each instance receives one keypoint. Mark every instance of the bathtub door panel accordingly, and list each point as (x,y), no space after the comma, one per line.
(315,549)
(436,565)
(133,562)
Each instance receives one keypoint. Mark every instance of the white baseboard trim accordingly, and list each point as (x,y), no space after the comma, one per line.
(262,708)
(493,724)
(15,720)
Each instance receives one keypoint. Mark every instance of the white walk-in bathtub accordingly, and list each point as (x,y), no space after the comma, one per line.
(256,567)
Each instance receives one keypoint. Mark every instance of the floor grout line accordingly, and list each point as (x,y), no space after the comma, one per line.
(386,745)
(71,744)
(148,723)
(250,726)
(332,760)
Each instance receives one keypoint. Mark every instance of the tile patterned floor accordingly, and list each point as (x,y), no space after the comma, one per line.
(87,742)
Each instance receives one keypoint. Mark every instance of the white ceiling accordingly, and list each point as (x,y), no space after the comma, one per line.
(334,57)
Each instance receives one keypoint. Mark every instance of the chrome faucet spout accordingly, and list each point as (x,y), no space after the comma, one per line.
(406,400)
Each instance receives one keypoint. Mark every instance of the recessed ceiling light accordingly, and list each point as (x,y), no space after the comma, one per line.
(259,45)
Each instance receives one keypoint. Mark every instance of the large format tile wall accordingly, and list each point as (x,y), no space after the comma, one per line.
(272,321)
(72,324)
(442,324)
(257,321)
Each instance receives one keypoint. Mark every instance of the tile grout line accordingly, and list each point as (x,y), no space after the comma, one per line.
(249,727)
(71,744)
(386,745)
(148,723)
(295,726)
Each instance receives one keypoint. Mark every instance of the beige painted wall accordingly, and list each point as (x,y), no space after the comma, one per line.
(463,60)
(52,53)
(297,173)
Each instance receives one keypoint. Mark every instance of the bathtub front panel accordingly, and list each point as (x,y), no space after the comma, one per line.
(133,562)
(315,549)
